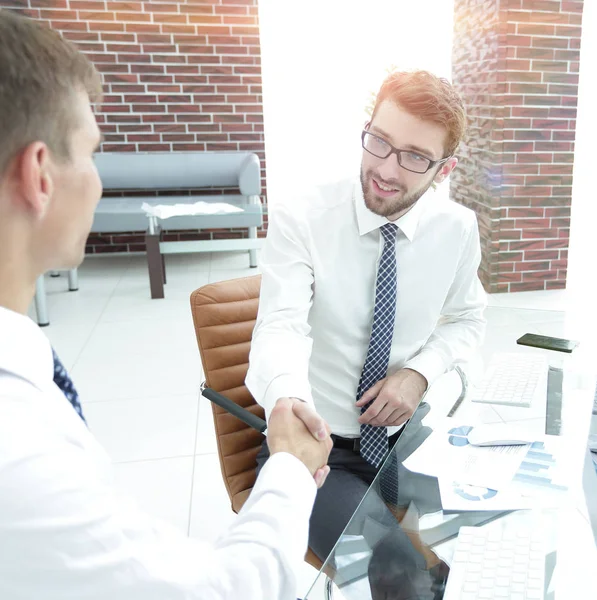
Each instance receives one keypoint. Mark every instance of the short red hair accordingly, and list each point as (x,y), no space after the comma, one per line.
(429,98)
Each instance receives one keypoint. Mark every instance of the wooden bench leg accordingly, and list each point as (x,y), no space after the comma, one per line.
(155,264)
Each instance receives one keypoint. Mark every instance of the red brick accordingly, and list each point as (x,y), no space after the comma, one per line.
(182,108)
(153,38)
(217,147)
(556,169)
(81,36)
(206,128)
(532,255)
(528,245)
(568,31)
(543,233)
(179,30)
(210,98)
(528,88)
(69,25)
(177,98)
(213,30)
(553,179)
(160,49)
(143,138)
(143,108)
(154,148)
(142,27)
(178,137)
(520,169)
(542,5)
(104,26)
(193,118)
(542,100)
(231,10)
(170,128)
(135,128)
(541,276)
(517,213)
(125,6)
(532,266)
(518,147)
(532,134)
(535,29)
(158,118)
(526,111)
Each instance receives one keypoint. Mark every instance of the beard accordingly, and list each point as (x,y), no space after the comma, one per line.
(386,207)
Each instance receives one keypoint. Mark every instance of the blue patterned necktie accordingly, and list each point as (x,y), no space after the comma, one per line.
(374,440)
(65,383)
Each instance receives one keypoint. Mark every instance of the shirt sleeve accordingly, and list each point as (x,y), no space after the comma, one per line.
(281,345)
(461,327)
(65,533)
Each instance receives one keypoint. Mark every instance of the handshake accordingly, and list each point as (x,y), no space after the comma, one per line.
(296,428)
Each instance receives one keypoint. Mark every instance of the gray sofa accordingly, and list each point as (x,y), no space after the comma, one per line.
(159,171)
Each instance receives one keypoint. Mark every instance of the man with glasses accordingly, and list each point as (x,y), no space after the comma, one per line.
(370,291)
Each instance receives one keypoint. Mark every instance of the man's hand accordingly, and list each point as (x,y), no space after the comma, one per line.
(396,398)
(287,432)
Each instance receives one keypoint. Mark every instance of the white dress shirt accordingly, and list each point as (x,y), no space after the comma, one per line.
(319,266)
(66,534)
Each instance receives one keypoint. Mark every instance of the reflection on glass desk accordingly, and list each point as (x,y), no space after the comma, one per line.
(400,543)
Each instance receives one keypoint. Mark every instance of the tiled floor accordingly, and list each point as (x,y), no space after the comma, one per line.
(137,368)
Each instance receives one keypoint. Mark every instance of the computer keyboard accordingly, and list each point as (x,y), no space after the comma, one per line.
(512,379)
(493,563)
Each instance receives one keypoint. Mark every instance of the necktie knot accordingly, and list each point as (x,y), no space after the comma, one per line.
(389,233)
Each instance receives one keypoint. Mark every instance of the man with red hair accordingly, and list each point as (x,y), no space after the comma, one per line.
(370,290)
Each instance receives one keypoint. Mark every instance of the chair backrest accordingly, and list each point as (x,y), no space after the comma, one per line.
(179,170)
(224,315)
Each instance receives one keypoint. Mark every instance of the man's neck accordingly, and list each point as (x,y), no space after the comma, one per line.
(16,289)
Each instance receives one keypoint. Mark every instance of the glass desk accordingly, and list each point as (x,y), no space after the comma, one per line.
(400,542)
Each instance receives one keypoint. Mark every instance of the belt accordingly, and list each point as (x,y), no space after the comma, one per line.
(353,444)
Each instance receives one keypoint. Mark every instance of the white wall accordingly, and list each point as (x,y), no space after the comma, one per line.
(321,61)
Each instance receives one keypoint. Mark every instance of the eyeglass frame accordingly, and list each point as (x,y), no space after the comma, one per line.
(398,151)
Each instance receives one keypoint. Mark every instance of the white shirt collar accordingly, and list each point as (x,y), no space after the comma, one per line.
(24,349)
(368,221)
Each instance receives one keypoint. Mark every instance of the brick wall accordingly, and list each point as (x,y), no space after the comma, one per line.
(179,75)
(516,64)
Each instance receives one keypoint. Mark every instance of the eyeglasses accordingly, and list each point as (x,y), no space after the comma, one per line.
(407,159)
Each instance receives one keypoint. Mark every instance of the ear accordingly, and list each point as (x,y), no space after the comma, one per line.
(34,178)
(445,170)
(366,125)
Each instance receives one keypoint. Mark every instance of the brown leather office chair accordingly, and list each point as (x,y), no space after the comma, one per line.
(224,314)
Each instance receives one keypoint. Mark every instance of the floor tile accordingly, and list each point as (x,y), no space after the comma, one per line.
(113,376)
(231,260)
(145,428)
(206,434)
(227,274)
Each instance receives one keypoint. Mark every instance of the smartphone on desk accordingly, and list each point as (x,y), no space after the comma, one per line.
(546,342)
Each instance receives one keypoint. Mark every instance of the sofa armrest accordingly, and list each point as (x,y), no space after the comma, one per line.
(249,177)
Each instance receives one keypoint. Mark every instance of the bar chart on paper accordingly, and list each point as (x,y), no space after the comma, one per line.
(538,468)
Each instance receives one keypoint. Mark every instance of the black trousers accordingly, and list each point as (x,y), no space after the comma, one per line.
(349,479)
